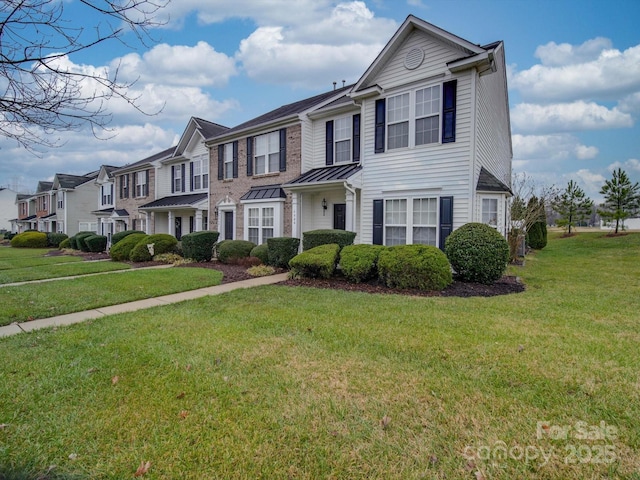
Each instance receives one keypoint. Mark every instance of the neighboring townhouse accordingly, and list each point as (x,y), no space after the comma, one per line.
(181,201)
(74,197)
(27,219)
(45,207)
(105,184)
(135,185)
(419,146)
(7,209)
(251,163)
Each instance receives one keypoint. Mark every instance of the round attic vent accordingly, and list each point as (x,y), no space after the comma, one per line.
(414,58)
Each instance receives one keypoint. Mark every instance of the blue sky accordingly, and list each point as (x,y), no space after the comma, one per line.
(574,76)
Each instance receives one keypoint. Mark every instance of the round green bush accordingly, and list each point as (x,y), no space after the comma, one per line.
(116,237)
(30,240)
(230,251)
(96,243)
(313,238)
(478,253)
(414,266)
(122,250)
(64,244)
(162,243)
(73,241)
(80,240)
(261,252)
(54,239)
(281,250)
(359,263)
(317,262)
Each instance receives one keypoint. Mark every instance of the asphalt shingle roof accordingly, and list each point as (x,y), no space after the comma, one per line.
(487,182)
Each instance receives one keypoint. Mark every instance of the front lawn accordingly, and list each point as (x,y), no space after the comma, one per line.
(31,257)
(282,382)
(40,300)
(57,270)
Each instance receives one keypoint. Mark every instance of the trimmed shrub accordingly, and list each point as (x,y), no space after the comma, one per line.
(478,253)
(359,263)
(424,267)
(80,240)
(314,238)
(537,236)
(116,237)
(281,250)
(29,239)
(54,239)
(64,244)
(261,271)
(230,251)
(96,243)
(162,243)
(317,262)
(261,252)
(199,245)
(73,241)
(122,250)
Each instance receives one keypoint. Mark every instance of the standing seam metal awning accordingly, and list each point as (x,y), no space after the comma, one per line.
(333,174)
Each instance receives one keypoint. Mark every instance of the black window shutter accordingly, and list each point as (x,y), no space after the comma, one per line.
(449,112)
(329,143)
(126,193)
(122,186)
(378,221)
(446,219)
(220,162)
(173,177)
(183,176)
(146,183)
(191,176)
(356,138)
(111,194)
(283,150)
(249,156)
(380,125)
(235,159)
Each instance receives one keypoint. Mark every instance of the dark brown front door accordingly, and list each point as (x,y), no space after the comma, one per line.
(228,225)
(339,216)
(178,228)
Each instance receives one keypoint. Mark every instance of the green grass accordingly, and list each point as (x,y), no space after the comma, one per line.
(280,382)
(30,257)
(41,300)
(42,272)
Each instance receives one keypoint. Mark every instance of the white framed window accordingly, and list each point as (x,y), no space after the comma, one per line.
(413,118)
(262,221)
(124,193)
(141,184)
(107,198)
(398,111)
(267,153)
(427,115)
(60,226)
(228,161)
(490,211)
(60,196)
(200,172)
(177,178)
(411,221)
(342,139)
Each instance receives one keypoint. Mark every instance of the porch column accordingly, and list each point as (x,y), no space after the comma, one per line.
(350,216)
(146,222)
(295,215)
(198,226)
(171,221)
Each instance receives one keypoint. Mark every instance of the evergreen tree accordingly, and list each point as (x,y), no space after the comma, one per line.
(572,205)
(621,198)
(537,233)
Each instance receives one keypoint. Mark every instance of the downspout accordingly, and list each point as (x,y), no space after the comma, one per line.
(355,204)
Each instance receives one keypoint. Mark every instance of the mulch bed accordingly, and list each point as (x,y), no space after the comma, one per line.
(235,273)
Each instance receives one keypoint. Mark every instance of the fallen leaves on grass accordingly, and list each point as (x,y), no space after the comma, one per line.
(142,469)
(184,414)
(115,380)
(180,395)
(384,423)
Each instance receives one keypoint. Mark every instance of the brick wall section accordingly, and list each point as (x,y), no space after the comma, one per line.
(237,187)
(131,204)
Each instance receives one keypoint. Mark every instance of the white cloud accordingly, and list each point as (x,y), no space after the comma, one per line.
(583,152)
(630,103)
(592,71)
(564,117)
(631,166)
(551,147)
(199,65)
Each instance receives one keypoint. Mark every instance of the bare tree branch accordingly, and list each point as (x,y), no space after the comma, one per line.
(40,94)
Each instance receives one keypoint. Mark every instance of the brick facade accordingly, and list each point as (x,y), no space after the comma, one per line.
(237,187)
(132,203)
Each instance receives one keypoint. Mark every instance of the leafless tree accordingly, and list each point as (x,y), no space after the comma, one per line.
(39,94)
(525,213)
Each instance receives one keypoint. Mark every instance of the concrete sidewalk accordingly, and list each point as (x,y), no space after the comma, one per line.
(78,317)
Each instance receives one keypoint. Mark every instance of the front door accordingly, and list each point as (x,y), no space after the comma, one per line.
(339,216)
(228,225)
(178,228)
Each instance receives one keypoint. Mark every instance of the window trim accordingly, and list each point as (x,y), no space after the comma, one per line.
(267,153)
(227,160)
(278,217)
(348,120)
(409,221)
(140,184)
